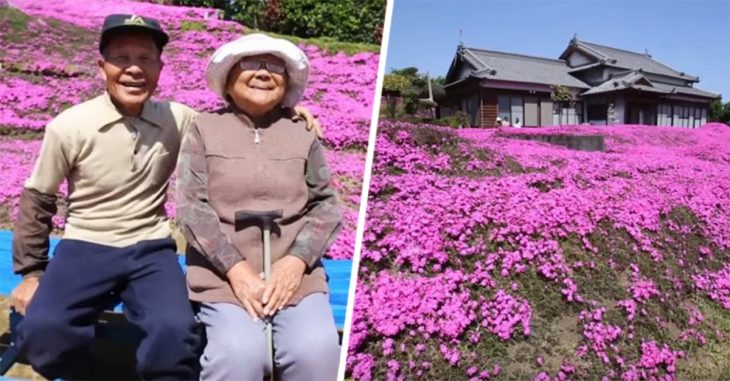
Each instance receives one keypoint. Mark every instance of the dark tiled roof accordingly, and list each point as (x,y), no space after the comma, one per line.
(488,64)
(631,80)
(629,60)
(520,68)
(685,90)
(637,81)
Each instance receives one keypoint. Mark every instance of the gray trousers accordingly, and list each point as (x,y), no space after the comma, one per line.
(306,343)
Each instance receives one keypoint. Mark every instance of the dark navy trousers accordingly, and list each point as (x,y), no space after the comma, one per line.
(58,328)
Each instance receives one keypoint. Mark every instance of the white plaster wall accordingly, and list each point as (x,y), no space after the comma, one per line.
(577,58)
(463,71)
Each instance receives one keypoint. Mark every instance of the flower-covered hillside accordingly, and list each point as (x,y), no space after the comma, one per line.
(48,63)
(490,257)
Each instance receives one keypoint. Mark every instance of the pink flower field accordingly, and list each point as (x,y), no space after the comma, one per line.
(488,257)
(48,63)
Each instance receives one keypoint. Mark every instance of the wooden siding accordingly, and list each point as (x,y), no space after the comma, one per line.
(489,108)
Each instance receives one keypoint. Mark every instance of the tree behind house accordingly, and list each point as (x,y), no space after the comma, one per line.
(719,112)
(413,99)
(562,97)
(394,87)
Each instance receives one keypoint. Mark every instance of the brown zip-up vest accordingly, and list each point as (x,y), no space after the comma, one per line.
(258,168)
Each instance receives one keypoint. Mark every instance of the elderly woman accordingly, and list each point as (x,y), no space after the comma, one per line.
(254,155)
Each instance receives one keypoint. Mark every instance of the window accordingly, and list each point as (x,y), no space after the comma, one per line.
(578,112)
(511,109)
(504,108)
(471,108)
(698,117)
(568,115)
(683,116)
(518,114)
(679,116)
(664,115)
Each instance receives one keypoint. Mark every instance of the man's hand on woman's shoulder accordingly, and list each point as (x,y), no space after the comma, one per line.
(312,122)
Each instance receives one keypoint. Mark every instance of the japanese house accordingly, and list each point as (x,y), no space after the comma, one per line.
(608,86)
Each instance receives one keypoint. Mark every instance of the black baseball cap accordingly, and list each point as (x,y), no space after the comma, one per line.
(119,23)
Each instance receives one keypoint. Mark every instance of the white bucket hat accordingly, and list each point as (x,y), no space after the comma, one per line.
(297,64)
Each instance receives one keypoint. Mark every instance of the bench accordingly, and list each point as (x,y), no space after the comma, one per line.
(113,326)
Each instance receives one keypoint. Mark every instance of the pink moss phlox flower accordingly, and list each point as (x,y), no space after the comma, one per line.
(571,291)
(642,289)
(433,210)
(504,314)
(598,334)
(716,285)
(629,306)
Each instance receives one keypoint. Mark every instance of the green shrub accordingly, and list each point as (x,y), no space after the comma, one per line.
(459,119)
(345,20)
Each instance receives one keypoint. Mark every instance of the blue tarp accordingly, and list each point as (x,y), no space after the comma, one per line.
(338,272)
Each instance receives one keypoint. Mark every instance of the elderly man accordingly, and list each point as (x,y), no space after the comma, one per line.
(117,152)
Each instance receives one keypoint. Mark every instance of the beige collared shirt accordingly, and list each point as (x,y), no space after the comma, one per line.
(117,168)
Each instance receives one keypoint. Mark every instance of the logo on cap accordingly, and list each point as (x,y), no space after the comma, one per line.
(134,20)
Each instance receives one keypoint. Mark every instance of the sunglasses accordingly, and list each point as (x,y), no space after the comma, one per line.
(271,66)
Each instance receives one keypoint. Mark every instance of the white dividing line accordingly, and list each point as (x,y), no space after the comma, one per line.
(365,190)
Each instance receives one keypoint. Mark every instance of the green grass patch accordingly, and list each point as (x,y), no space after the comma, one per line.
(13,19)
(328,44)
(711,361)
(513,165)
(21,133)
(187,26)
(546,186)
(318,95)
